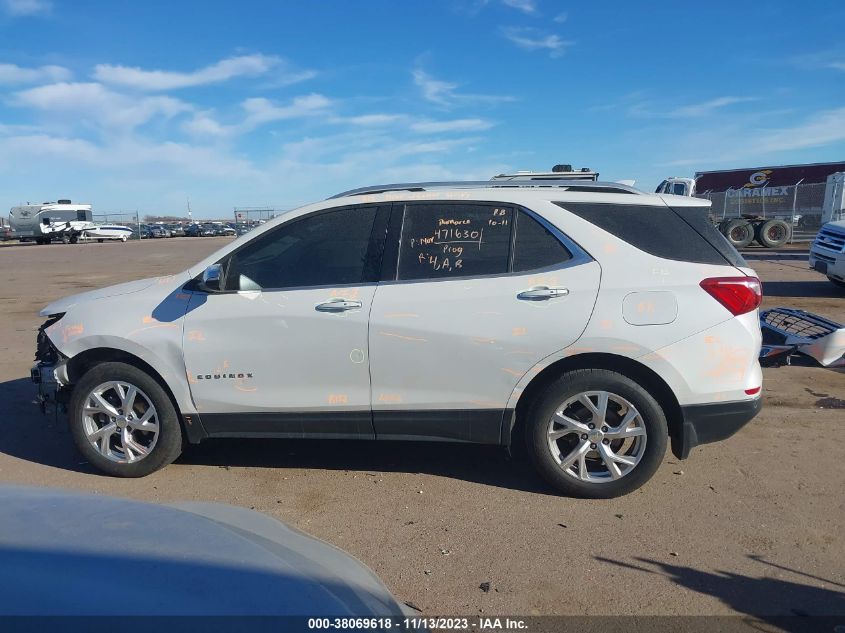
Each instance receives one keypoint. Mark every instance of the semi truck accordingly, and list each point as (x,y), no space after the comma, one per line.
(760,202)
(45,222)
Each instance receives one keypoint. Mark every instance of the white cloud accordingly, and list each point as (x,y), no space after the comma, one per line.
(27,7)
(823,59)
(445,93)
(258,111)
(638,106)
(435,90)
(126,155)
(224,70)
(531,39)
(202,124)
(153,174)
(122,143)
(287,77)
(560,18)
(369,120)
(822,128)
(455,125)
(429,147)
(11,130)
(707,107)
(98,106)
(12,74)
(526,6)
(741,140)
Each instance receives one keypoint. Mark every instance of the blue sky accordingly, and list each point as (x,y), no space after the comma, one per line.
(141,104)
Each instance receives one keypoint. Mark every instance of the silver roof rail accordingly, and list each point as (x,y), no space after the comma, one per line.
(568,185)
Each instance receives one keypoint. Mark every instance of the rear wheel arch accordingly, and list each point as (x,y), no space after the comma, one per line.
(628,367)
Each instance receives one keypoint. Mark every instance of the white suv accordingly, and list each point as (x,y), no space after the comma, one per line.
(591,320)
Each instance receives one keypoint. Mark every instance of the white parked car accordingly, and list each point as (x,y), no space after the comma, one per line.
(827,253)
(593,321)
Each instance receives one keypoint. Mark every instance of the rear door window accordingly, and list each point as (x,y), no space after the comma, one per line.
(440,241)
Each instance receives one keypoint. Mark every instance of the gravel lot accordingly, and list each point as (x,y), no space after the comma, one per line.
(752,525)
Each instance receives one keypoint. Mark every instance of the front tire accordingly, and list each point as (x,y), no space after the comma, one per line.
(596,434)
(123,422)
(836,282)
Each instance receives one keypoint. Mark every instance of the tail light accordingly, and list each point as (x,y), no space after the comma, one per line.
(738,294)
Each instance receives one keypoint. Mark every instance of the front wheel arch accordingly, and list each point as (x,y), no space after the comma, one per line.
(628,367)
(78,365)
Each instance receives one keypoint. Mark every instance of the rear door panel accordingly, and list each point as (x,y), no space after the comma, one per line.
(458,346)
(465,343)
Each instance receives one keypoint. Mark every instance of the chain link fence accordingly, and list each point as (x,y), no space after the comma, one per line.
(247,218)
(800,205)
(128,219)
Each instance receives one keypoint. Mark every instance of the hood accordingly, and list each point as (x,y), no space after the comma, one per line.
(216,559)
(65,303)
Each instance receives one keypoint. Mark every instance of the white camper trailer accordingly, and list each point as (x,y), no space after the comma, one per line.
(39,222)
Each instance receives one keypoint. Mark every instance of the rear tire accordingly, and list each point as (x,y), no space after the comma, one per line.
(99,241)
(124,445)
(738,232)
(773,233)
(617,459)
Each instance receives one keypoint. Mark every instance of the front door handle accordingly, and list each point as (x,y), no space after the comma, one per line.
(337,304)
(542,293)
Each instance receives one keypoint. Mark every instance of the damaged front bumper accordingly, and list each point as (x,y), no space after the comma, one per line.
(51,382)
(50,371)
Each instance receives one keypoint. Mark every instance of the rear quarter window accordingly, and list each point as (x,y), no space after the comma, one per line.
(699,219)
(661,231)
(535,247)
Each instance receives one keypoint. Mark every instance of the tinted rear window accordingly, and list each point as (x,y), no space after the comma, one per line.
(699,219)
(535,247)
(660,231)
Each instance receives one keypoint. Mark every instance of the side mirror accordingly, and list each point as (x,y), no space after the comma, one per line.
(211,278)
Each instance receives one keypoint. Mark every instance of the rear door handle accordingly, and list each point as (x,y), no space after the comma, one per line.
(542,293)
(338,304)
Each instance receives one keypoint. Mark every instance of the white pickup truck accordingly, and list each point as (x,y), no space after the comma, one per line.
(827,253)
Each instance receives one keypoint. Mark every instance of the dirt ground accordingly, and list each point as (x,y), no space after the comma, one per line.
(752,525)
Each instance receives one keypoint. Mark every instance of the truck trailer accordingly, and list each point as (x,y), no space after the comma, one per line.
(763,199)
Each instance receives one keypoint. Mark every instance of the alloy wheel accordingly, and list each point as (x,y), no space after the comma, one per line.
(597,436)
(120,422)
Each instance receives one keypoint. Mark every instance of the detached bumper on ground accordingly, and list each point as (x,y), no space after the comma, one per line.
(706,423)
